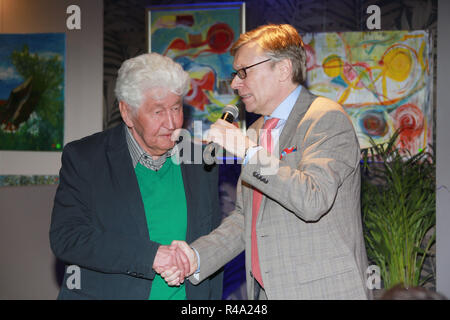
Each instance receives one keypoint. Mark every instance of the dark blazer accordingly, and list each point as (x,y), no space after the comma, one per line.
(98,220)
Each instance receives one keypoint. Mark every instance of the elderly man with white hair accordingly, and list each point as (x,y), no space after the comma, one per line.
(122,199)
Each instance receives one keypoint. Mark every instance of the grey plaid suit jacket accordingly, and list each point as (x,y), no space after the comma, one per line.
(309,228)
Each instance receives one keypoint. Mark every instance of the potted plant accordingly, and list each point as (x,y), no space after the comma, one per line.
(398,205)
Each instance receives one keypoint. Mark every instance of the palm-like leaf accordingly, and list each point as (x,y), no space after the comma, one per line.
(398,211)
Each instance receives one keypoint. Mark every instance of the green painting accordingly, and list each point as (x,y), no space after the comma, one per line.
(32,91)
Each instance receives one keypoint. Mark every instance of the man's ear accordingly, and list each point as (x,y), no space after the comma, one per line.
(285,69)
(126,113)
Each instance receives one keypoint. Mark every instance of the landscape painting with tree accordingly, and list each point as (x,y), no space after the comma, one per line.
(32,91)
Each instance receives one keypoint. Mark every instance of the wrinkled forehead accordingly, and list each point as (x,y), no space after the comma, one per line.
(160,97)
(159,93)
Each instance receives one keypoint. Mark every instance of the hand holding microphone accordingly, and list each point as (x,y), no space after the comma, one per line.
(223,133)
(230,112)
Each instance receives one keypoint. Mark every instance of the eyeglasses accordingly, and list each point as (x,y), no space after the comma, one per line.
(242,74)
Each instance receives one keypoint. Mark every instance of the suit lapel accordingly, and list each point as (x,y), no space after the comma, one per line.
(298,111)
(123,174)
(187,182)
(128,191)
(301,106)
(192,192)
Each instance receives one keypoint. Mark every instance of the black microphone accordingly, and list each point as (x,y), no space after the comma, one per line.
(230,112)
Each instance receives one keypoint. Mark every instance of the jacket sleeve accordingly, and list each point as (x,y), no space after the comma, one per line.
(77,236)
(328,154)
(222,244)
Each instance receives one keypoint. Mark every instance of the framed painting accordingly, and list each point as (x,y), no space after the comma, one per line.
(27,180)
(383,79)
(199,37)
(32,91)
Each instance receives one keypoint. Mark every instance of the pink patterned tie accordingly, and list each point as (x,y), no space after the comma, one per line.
(266,142)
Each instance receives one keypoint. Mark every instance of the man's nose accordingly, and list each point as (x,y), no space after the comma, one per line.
(170,124)
(236,82)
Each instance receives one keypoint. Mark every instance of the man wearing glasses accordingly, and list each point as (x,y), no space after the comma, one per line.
(300,224)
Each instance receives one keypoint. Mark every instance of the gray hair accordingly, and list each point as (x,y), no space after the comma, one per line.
(147,71)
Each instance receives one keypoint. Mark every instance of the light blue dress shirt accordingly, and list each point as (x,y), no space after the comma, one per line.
(281,112)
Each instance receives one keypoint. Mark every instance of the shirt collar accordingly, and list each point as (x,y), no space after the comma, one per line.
(284,109)
(139,155)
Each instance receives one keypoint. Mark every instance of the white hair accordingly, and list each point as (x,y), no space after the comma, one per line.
(147,71)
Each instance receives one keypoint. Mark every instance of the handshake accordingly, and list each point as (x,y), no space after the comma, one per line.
(175,262)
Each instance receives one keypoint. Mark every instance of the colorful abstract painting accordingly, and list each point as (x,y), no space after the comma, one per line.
(199,38)
(32,91)
(383,79)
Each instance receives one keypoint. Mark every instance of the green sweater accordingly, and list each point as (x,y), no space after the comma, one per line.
(165,210)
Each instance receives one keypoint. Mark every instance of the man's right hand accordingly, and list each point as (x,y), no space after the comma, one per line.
(190,254)
(171,275)
(173,260)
